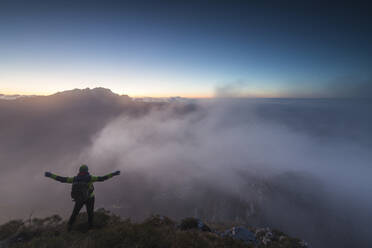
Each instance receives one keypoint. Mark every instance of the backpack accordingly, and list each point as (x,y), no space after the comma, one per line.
(80,191)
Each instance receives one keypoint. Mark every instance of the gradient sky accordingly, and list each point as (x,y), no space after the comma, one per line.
(195,48)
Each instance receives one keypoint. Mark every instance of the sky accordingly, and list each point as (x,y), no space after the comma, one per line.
(189,48)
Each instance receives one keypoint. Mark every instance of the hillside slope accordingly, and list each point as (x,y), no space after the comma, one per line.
(156,231)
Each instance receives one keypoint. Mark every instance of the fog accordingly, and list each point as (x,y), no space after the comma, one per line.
(302,166)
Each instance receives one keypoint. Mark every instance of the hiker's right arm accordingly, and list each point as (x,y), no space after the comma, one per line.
(59,178)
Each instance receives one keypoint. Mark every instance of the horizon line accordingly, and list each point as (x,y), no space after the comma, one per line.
(158,96)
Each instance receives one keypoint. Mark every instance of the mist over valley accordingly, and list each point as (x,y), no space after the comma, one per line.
(299,165)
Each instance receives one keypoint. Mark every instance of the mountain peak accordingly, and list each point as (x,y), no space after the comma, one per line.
(99,91)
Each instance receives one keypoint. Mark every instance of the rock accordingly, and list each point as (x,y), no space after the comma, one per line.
(265,235)
(274,238)
(241,233)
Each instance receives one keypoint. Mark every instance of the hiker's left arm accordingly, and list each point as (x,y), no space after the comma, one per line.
(104,178)
(59,178)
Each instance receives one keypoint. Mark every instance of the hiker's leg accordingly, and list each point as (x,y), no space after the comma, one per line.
(75,212)
(90,210)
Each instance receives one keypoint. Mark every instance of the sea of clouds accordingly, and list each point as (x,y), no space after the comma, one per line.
(299,165)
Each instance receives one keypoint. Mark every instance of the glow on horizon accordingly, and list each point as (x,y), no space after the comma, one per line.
(257,94)
(137,94)
(158,85)
(133,84)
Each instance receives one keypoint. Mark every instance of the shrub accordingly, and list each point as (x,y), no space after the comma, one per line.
(10,228)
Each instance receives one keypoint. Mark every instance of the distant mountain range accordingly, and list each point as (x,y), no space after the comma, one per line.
(99,92)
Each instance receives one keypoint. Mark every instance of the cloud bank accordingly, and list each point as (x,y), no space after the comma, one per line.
(298,165)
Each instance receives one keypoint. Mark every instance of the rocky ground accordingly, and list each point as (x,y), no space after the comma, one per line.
(156,231)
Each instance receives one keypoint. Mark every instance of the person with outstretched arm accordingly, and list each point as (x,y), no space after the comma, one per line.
(82,191)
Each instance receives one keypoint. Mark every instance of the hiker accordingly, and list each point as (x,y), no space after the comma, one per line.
(82,191)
